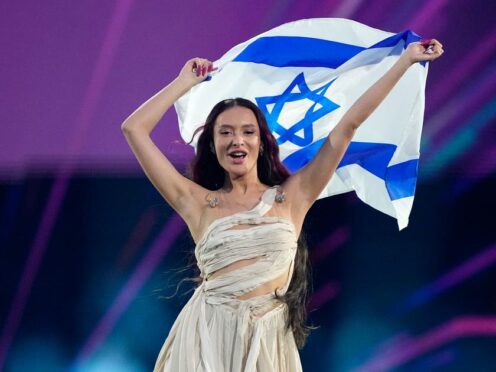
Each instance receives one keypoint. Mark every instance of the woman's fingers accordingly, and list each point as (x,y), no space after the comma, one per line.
(201,67)
(432,46)
(437,47)
(436,42)
(196,70)
(424,50)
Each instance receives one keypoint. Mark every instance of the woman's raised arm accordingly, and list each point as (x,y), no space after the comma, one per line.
(307,184)
(181,193)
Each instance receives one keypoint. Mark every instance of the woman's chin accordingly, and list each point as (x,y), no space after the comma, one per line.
(236,171)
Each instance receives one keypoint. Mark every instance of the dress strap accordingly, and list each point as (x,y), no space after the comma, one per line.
(266,200)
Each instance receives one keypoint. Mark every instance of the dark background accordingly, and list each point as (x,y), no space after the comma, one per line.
(88,249)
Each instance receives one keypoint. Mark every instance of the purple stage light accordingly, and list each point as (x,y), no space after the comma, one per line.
(33,264)
(346,9)
(441,127)
(425,14)
(461,327)
(57,193)
(453,277)
(137,236)
(335,240)
(323,295)
(159,248)
(462,141)
(463,70)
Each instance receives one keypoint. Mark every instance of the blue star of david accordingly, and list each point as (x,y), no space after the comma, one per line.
(321,106)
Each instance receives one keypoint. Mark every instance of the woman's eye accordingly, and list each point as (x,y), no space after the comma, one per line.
(224,132)
(250,132)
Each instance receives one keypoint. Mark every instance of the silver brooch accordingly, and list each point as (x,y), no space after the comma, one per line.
(280,196)
(213,201)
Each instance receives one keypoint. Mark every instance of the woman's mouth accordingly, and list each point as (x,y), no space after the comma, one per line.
(237,156)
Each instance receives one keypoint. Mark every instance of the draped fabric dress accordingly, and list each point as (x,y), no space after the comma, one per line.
(218,332)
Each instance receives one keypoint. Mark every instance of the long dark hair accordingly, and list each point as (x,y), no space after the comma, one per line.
(206,171)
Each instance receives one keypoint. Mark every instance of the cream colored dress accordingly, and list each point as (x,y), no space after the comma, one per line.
(217,332)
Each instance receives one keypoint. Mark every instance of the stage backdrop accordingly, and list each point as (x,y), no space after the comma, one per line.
(91,256)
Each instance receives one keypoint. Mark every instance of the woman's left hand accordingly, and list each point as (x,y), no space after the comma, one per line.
(424,50)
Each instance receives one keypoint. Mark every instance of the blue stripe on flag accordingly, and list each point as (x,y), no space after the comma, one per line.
(373,157)
(299,158)
(285,51)
(400,178)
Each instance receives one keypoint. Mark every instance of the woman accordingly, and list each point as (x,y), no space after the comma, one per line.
(245,213)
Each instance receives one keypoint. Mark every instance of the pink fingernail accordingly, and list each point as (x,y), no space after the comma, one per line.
(204,70)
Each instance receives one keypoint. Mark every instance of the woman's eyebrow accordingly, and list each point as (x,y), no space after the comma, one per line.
(231,126)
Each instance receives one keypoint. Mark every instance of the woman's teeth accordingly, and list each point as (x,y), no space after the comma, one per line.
(237,154)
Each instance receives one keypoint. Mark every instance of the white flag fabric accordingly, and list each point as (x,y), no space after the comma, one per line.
(304,76)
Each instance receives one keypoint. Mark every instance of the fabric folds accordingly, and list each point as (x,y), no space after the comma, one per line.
(216,331)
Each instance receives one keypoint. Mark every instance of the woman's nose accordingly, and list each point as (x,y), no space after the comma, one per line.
(237,139)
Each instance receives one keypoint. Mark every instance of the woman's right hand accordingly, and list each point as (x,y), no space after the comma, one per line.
(195,71)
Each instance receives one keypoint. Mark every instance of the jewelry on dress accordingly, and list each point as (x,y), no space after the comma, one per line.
(213,201)
(280,196)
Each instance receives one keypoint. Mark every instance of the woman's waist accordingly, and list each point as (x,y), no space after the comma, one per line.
(256,305)
(249,281)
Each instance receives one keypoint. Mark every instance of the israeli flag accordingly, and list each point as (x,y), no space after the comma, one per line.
(304,76)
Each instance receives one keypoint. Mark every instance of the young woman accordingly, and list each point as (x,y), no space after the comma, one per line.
(245,213)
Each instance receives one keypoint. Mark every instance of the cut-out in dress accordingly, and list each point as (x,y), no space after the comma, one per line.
(218,332)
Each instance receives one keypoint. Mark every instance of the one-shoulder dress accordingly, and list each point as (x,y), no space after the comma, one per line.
(216,331)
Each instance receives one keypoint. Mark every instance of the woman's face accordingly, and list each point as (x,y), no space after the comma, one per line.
(237,140)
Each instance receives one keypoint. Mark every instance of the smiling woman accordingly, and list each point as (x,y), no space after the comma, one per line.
(239,141)
(236,127)
(245,211)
